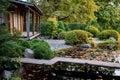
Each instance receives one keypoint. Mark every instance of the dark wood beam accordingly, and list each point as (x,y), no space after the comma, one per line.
(27,22)
(33,22)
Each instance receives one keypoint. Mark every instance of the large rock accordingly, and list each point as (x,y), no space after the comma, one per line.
(29,53)
(85,46)
(7,74)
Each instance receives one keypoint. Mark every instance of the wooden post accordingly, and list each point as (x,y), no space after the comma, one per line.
(11,21)
(39,24)
(21,23)
(33,23)
(36,23)
(27,22)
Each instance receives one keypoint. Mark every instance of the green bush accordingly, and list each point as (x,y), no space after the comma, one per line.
(41,42)
(76,37)
(41,51)
(51,29)
(10,49)
(24,44)
(76,26)
(4,34)
(82,36)
(108,44)
(43,28)
(61,27)
(71,38)
(66,27)
(92,30)
(89,34)
(106,34)
(62,35)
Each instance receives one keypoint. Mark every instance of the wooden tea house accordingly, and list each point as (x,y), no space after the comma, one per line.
(23,16)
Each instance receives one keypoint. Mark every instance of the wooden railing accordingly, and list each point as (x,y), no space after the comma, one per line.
(70,60)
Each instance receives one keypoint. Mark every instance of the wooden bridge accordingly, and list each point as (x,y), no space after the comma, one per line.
(71,60)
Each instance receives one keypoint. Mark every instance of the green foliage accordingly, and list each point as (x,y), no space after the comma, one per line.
(89,34)
(76,37)
(16,34)
(41,49)
(43,28)
(106,34)
(82,36)
(4,34)
(108,44)
(66,27)
(93,44)
(76,26)
(108,15)
(10,49)
(92,30)
(46,25)
(24,44)
(81,11)
(15,78)
(51,29)
(41,42)
(61,27)
(62,35)
(71,38)
(3,5)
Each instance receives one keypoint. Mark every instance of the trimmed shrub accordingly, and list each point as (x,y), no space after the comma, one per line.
(62,35)
(10,49)
(92,43)
(76,26)
(106,34)
(92,30)
(41,49)
(66,27)
(24,44)
(76,37)
(71,38)
(82,36)
(43,28)
(61,27)
(41,42)
(108,44)
(89,34)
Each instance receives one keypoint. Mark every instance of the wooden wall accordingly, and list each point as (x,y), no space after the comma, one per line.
(16,21)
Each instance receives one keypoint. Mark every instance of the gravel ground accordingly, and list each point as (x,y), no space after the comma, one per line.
(57,44)
(60,44)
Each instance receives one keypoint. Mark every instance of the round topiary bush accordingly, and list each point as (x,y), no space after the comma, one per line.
(10,49)
(41,49)
(41,42)
(89,34)
(106,34)
(71,38)
(82,36)
(92,30)
(62,35)
(24,44)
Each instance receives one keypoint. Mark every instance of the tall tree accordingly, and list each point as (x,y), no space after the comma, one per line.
(108,16)
(81,11)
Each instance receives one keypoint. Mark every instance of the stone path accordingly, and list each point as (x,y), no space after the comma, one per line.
(70,60)
(57,44)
